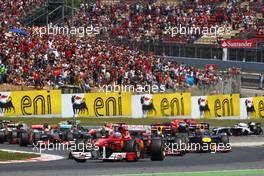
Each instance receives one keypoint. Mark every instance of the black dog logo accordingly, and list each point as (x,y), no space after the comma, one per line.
(6,104)
(147,105)
(203,106)
(79,105)
(250,107)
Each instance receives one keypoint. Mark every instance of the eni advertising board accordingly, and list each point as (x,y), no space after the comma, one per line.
(216,106)
(161,105)
(30,103)
(96,104)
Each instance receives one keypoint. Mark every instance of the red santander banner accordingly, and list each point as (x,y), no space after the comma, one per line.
(238,43)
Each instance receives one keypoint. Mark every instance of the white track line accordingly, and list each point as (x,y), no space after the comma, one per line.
(43,157)
(246,144)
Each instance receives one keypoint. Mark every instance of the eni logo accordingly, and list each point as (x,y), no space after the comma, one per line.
(36,105)
(224,107)
(102,107)
(173,107)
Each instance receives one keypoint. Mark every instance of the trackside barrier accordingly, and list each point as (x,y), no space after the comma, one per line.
(42,103)
(52,103)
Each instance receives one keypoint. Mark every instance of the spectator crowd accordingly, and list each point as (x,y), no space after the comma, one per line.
(57,60)
(145,21)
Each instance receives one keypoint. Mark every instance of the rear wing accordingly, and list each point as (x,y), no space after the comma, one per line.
(70,122)
(139,128)
(199,126)
(167,127)
(6,121)
(65,126)
(37,127)
(12,125)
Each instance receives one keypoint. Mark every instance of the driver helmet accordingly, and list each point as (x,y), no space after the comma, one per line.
(118,134)
(46,130)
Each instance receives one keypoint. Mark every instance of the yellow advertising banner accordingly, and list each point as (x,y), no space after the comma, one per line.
(164,105)
(102,104)
(223,106)
(255,107)
(26,103)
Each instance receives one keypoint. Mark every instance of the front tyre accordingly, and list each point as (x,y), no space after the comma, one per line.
(132,146)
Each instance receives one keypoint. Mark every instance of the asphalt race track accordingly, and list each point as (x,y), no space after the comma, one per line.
(238,159)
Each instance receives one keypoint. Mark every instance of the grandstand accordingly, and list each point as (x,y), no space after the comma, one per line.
(132,45)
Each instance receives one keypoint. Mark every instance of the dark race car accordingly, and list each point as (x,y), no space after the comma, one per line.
(205,141)
(39,135)
(71,130)
(13,131)
(174,135)
(5,127)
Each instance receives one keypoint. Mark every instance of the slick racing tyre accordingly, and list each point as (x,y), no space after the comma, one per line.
(69,136)
(224,139)
(36,137)
(181,142)
(23,139)
(132,146)
(2,137)
(12,137)
(157,150)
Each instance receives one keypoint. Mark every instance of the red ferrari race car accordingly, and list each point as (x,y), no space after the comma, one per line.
(117,143)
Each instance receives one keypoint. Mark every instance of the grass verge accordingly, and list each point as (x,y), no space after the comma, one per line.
(132,121)
(5,156)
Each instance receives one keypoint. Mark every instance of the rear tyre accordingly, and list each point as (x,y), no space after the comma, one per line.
(225,139)
(258,131)
(23,139)
(69,136)
(181,142)
(70,156)
(36,138)
(2,137)
(12,137)
(157,150)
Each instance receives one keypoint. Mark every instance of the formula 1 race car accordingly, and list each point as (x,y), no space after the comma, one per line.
(117,144)
(71,130)
(4,129)
(174,135)
(12,132)
(205,141)
(247,129)
(38,134)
